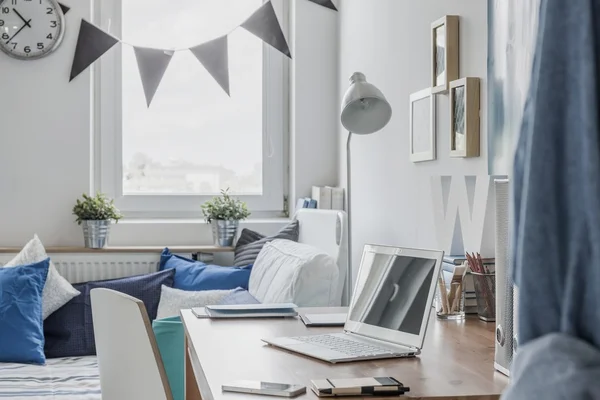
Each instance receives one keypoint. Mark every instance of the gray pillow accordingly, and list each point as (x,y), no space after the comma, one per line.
(251,243)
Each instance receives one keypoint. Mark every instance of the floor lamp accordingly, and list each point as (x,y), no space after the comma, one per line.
(364,111)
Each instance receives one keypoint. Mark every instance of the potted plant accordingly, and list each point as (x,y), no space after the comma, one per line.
(224,213)
(95,214)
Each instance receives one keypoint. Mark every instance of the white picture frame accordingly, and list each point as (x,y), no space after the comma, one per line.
(422,129)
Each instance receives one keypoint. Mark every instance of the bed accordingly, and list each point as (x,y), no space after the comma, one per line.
(77,378)
(74,378)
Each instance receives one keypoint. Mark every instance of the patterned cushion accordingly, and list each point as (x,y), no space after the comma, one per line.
(57,291)
(173,300)
(69,332)
(251,243)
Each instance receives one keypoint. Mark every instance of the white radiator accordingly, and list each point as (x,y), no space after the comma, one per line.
(86,267)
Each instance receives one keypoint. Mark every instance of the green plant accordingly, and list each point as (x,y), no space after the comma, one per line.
(96,208)
(225,207)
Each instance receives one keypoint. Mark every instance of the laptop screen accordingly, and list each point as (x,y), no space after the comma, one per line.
(394,289)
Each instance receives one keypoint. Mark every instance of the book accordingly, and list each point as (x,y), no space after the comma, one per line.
(248,311)
(323,197)
(337,198)
(312,203)
(458,260)
(337,319)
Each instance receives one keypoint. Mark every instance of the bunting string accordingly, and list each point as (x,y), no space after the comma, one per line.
(93,43)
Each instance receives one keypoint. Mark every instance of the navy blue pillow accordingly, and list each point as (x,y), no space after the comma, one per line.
(21,324)
(69,331)
(194,275)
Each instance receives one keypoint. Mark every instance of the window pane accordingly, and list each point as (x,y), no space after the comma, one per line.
(193,139)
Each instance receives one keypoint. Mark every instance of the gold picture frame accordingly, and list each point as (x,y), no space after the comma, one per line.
(464,118)
(444,53)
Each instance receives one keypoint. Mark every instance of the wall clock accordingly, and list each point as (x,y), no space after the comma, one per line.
(30,29)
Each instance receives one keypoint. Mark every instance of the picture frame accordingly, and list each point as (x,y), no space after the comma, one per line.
(422,129)
(444,53)
(464,117)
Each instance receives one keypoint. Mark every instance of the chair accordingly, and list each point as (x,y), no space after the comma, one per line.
(128,357)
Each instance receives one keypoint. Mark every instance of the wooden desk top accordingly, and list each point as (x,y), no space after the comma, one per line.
(457,361)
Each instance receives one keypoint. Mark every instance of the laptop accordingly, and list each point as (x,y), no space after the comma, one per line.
(389,312)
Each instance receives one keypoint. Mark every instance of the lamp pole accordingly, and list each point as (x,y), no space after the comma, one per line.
(349,211)
(365,110)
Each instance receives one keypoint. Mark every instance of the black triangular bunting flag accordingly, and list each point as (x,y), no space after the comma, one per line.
(325,3)
(214,57)
(65,9)
(92,43)
(265,25)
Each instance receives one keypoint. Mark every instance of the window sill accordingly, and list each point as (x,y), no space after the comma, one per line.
(127,249)
(179,232)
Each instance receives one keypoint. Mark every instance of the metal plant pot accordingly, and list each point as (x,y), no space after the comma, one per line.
(224,232)
(95,233)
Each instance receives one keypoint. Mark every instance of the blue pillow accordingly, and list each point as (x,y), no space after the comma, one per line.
(69,331)
(194,275)
(21,323)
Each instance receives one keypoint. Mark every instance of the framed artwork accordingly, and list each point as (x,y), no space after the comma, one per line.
(422,126)
(444,53)
(464,117)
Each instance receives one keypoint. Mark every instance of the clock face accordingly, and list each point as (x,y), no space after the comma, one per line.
(30,29)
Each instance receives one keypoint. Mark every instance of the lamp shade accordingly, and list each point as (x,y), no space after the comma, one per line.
(365,109)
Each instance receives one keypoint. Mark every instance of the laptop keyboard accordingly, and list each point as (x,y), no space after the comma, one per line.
(348,347)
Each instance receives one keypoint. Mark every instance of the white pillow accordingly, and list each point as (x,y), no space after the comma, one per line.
(173,300)
(57,291)
(290,272)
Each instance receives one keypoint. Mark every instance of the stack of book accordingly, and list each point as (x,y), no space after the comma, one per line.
(448,269)
(323,197)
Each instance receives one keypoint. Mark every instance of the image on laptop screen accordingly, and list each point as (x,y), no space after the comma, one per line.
(392,291)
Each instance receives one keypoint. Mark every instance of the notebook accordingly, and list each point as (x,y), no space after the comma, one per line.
(247,311)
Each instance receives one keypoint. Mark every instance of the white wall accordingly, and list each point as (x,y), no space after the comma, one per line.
(389,40)
(45,137)
(314,111)
(44,142)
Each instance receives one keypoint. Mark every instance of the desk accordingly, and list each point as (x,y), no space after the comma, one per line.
(457,361)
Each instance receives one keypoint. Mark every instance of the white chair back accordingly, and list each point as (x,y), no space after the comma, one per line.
(327,230)
(128,356)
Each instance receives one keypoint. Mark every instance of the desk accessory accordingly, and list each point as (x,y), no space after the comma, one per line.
(485,287)
(365,110)
(382,386)
(265,388)
(338,319)
(451,303)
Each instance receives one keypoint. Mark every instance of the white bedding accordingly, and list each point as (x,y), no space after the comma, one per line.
(73,378)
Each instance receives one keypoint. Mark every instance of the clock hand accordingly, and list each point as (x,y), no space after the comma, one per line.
(8,41)
(22,19)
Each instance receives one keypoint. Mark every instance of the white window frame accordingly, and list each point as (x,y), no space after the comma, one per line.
(107,143)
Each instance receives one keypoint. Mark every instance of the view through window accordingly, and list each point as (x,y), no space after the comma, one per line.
(194,139)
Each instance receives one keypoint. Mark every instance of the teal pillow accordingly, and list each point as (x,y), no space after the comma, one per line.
(21,323)
(169,337)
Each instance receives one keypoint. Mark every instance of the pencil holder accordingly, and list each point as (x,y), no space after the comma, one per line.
(451,304)
(485,293)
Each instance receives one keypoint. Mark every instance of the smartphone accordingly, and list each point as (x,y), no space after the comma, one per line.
(265,388)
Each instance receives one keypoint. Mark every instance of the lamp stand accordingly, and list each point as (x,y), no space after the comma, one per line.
(348,288)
